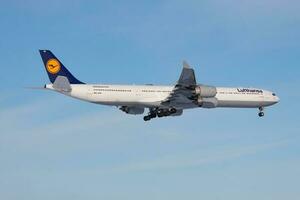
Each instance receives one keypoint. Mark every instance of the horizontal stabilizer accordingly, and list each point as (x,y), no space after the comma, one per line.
(36,88)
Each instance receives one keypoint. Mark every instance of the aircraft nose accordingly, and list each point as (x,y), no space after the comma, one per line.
(275,98)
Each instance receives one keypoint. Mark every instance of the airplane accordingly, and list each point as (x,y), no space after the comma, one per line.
(161,101)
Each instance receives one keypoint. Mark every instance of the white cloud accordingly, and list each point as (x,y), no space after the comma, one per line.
(198,158)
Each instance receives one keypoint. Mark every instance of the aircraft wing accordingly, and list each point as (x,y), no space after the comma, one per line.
(184,90)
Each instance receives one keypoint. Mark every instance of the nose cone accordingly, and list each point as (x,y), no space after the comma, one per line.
(277,99)
(271,98)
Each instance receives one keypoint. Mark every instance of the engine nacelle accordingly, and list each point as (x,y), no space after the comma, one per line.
(208,102)
(133,110)
(206,91)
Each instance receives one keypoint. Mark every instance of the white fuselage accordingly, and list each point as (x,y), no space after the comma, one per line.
(151,96)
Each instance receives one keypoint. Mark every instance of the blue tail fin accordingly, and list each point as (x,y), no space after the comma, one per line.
(55,68)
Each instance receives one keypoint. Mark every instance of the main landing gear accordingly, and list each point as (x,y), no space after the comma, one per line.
(150,116)
(159,112)
(261,112)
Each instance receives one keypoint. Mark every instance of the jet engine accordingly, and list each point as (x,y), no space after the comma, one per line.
(206,96)
(132,110)
(206,91)
(208,102)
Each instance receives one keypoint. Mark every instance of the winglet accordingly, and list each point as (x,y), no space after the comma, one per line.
(187,77)
(185,64)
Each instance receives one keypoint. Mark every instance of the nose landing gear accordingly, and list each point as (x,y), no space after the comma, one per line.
(261,112)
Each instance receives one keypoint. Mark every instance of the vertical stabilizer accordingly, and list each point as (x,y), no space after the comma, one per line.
(55,68)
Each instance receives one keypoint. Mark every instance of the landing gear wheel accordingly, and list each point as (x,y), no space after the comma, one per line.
(152,115)
(166,113)
(160,113)
(261,112)
(147,118)
(173,110)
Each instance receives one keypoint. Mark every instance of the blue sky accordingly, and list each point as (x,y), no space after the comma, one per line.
(54,147)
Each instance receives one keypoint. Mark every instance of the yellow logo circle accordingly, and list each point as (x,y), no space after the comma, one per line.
(53,66)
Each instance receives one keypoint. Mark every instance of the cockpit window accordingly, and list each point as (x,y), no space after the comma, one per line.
(274,94)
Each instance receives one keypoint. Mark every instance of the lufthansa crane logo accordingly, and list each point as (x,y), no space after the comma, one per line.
(53,66)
